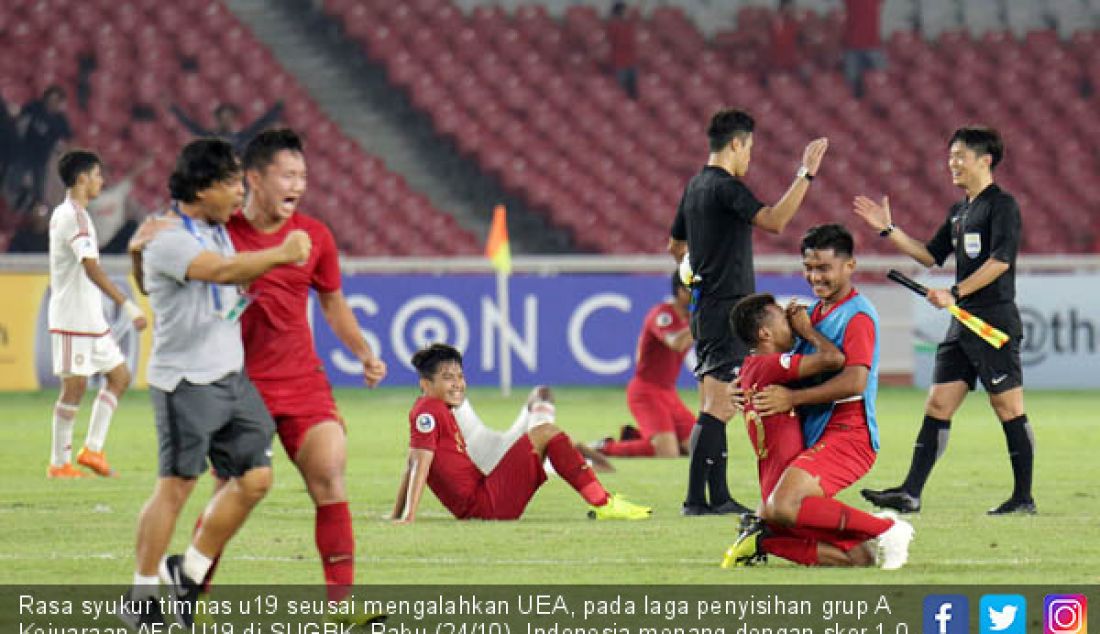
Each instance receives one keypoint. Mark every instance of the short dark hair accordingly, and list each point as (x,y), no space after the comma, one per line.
(831,236)
(74,163)
(981,140)
(200,164)
(261,150)
(427,360)
(726,124)
(748,314)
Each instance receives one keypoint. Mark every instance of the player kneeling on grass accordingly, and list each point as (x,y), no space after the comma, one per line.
(440,457)
(839,427)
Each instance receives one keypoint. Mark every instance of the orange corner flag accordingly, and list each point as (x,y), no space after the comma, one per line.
(497,248)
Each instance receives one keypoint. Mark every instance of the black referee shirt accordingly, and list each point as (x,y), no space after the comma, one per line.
(715,218)
(987,227)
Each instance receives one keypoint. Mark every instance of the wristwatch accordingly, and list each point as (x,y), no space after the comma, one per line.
(887,231)
(955,292)
(804,173)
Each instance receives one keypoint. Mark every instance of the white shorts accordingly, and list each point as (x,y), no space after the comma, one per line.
(84,355)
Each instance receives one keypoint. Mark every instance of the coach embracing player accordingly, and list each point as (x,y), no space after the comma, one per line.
(983,231)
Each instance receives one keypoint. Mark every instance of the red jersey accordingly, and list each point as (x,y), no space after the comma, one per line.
(656,362)
(278,342)
(861,24)
(776,439)
(453,477)
(858,348)
(622,36)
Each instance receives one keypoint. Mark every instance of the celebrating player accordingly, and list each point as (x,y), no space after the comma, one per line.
(278,341)
(205,406)
(664,422)
(714,222)
(81,338)
(440,458)
(983,231)
(840,432)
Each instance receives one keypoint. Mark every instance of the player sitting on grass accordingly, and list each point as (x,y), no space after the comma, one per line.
(439,455)
(840,433)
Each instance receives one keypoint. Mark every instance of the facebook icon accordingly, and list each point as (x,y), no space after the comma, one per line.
(946,614)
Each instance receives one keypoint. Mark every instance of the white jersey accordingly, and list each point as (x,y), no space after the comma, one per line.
(76,304)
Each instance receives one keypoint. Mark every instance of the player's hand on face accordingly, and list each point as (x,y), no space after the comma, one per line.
(774,399)
(147,230)
(736,394)
(876,215)
(940,297)
(798,317)
(374,370)
(297,245)
(812,155)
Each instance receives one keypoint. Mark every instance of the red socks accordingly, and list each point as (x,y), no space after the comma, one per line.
(800,550)
(833,515)
(570,465)
(639,447)
(336,544)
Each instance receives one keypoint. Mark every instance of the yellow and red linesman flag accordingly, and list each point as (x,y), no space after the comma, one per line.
(991,335)
(497,248)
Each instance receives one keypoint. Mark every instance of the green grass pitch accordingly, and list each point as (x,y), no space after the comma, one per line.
(83,531)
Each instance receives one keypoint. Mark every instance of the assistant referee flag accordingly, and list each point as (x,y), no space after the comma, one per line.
(497,248)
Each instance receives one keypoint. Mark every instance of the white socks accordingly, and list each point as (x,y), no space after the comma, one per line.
(196,564)
(63,417)
(102,411)
(145,587)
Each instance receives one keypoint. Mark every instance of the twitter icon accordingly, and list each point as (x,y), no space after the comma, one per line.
(1003,614)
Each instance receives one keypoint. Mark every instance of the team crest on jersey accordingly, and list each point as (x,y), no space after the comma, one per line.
(425,423)
(664,320)
(972,243)
(785,361)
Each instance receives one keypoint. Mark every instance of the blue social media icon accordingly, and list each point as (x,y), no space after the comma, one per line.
(946,614)
(1003,614)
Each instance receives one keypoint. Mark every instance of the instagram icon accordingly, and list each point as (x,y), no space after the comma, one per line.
(1065,614)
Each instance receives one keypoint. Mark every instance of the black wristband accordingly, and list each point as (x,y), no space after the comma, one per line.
(887,231)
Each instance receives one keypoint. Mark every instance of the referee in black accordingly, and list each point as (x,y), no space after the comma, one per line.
(983,231)
(714,226)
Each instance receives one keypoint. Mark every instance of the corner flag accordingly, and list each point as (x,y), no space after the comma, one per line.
(497,248)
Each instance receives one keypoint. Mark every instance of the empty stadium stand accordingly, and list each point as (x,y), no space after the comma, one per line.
(524,92)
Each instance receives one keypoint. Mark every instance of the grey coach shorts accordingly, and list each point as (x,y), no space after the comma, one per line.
(225,420)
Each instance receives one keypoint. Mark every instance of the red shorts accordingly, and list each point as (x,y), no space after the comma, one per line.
(840,457)
(505,493)
(297,405)
(658,410)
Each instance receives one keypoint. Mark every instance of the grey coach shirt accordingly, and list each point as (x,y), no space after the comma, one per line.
(191,339)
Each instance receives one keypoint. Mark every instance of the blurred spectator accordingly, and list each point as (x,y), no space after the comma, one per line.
(9,139)
(33,234)
(115,213)
(623,37)
(42,129)
(862,41)
(786,36)
(227,124)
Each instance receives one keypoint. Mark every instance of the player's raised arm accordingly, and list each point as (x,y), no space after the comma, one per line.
(774,219)
(879,218)
(242,268)
(412,486)
(342,321)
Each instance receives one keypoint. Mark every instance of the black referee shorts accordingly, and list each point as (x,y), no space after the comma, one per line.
(969,358)
(718,352)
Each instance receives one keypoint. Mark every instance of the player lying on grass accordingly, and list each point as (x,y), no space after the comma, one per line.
(664,422)
(440,457)
(839,430)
